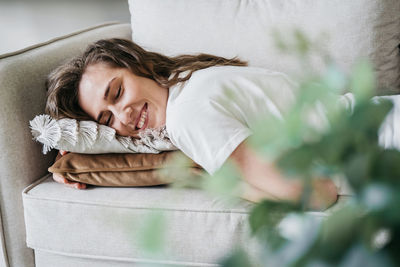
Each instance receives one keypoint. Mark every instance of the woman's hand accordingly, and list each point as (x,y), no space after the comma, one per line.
(62,180)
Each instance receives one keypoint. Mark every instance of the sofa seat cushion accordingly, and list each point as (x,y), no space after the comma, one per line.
(107,222)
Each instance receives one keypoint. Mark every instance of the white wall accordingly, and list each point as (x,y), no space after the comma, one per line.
(27,22)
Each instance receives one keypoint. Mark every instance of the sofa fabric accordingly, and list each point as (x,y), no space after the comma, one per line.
(108,222)
(22,96)
(347,30)
(105,224)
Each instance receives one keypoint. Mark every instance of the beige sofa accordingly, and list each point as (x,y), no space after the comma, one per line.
(53,225)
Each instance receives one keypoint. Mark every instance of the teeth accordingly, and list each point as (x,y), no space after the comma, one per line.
(142,119)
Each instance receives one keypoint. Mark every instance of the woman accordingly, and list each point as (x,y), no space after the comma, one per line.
(207,103)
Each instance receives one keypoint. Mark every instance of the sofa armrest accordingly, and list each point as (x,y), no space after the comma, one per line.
(22,97)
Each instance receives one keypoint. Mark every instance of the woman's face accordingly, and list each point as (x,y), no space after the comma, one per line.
(122,100)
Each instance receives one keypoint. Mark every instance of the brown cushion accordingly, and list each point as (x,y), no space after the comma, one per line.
(121,169)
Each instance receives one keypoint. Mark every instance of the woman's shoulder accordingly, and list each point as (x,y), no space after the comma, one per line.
(199,86)
(212,81)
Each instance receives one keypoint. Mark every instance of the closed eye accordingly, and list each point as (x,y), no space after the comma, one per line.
(118,93)
(108,120)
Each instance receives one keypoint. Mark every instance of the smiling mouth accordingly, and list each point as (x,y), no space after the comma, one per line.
(142,120)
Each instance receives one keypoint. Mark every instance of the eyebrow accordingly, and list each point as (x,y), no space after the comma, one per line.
(105,97)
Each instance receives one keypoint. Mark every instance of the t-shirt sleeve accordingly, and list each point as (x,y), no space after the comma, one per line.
(206,132)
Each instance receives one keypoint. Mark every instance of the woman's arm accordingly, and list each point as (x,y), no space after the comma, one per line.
(265,177)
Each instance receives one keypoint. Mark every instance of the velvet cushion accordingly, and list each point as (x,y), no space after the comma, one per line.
(121,169)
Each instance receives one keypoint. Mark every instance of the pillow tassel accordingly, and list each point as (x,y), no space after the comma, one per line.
(46,131)
(143,146)
(88,132)
(156,138)
(106,132)
(135,145)
(69,130)
(124,140)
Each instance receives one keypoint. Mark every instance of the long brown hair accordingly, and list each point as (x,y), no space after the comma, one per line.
(62,84)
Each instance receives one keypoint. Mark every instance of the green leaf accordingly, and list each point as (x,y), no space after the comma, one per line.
(302,231)
(376,196)
(302,43)
(264,218)
(311,90)
(386,167)
(358,255)
(238,258)
(357,169)
(334,79)
(341,227)
(366,120)
(269,138)
(363,80)
(297,161)
(225,182)
(338,233)
(152,234)
(279,42)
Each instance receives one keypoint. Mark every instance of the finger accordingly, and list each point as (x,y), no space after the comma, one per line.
(58,178)
(76,185)
(63,152)
(62,180)
(81,186)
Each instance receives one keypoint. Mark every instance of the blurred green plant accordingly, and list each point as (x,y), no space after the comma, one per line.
(319,138)
(365,231)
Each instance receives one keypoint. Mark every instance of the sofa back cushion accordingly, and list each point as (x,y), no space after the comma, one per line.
(349,30)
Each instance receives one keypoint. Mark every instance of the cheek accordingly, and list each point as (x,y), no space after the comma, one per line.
(123,132)
(132,90)
(121,129)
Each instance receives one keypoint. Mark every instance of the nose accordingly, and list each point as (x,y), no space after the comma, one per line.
(123,115)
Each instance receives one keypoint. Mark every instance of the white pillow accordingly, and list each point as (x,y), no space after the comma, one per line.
(356,28)
(89,137)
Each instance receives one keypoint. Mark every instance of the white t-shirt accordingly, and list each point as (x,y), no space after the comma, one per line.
(209,115)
